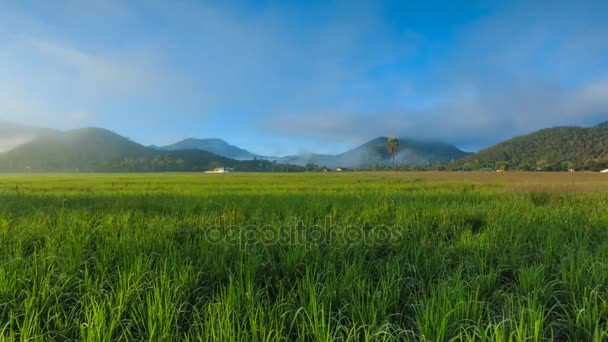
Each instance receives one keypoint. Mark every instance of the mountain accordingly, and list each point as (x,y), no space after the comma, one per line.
(217,146)
(83,149)
(411,152)
(602,125)
(374,152)
(12,134)
(550,149)
(101,150)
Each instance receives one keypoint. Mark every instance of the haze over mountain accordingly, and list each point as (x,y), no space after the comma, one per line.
(13,134)
(213,145)
(80,149)
(97,149)
(374,152)
(101,150)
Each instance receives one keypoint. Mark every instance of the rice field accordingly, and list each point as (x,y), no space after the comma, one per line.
(304,257)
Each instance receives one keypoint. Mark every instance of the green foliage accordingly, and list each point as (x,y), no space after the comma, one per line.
(368,257)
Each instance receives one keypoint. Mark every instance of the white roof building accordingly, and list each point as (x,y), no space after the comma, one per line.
(220,170)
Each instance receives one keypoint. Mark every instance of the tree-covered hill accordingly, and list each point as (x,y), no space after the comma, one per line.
(557,148)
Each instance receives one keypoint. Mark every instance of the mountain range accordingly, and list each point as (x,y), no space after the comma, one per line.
(101,150)
(373,152)
(97,149)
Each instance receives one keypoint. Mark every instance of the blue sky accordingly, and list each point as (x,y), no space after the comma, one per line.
(283,77)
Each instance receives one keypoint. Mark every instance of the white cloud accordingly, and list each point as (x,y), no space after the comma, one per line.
(46,73)
(109,74)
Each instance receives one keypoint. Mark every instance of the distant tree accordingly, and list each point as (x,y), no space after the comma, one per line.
(525,166)
(542,164)
(392,145)
(501,165)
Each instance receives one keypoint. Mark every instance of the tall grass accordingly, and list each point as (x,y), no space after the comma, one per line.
(350,257)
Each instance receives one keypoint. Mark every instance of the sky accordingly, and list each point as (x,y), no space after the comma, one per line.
(286,77)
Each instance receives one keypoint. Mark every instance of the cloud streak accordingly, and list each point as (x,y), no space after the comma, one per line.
(102,74)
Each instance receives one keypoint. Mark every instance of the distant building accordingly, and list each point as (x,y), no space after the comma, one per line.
(220,170)
(341,169)
(604,171)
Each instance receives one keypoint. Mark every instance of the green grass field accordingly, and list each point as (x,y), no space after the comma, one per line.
(309,257)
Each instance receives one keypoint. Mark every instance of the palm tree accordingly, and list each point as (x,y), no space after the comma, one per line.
(392,145)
